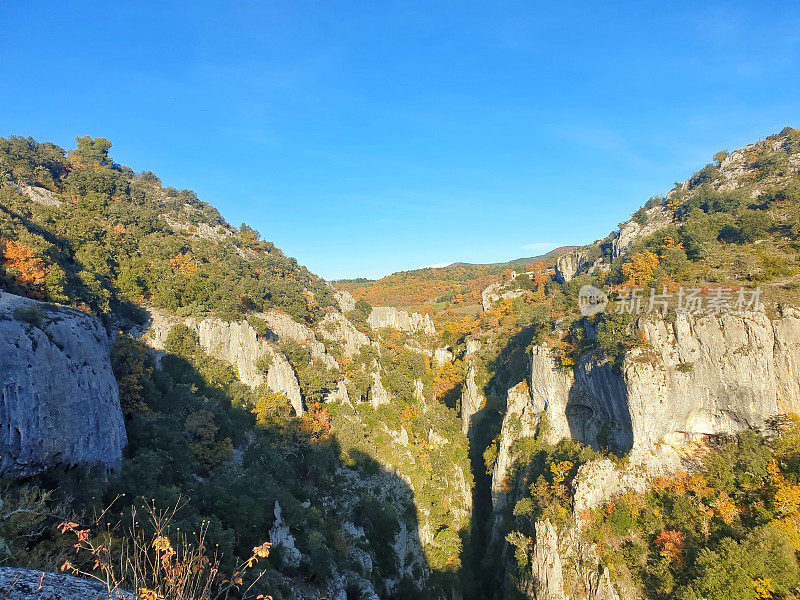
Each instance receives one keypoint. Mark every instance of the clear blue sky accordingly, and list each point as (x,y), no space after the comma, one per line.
(369,137)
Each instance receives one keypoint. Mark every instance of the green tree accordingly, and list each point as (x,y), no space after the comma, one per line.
(93,149)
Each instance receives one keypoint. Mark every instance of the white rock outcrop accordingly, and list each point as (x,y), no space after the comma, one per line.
(697,380)
(471,400)
(521,420)
(281,378)
(345,300)
(38,194)
(388,316)
(237,344)
(658,217)
(702,377)
(498,291)
(442,356)
(599,480)
(377,393)
(570,264)
(285,327)
(566,567)
(546,568)
(281,537)
(28,584)
(336,327)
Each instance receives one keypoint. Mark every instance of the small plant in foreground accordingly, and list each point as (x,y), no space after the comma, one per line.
(154,567)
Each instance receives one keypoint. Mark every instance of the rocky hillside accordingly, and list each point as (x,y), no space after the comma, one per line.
(572,435)
(279,409)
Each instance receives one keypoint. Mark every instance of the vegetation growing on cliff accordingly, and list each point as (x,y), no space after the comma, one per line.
(108,240)
(732,222)
(730,530)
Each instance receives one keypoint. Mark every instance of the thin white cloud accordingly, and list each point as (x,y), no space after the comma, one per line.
(541,246)
(437,265)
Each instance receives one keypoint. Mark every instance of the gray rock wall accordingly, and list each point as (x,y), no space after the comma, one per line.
(699,378)
(471,400)
(336,327)
(658,218)
(59,402)
(570,264)
(565,567)
(498,291)
(27,584)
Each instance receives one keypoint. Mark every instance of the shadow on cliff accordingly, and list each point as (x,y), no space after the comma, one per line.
(509,368)
(251,473)
(597,412)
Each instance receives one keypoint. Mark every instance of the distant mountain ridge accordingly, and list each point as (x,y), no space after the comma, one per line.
(521,261)
(517,261)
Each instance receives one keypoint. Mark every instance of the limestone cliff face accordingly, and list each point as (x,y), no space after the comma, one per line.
(27,584)
(698,378)
(521,420)
(59,402)
(714,376)
(786,353)
(388,316)
(336,327)
(599,480)
(237,344)
(377,393)
(284,327)
(498,291)
(345,300)
(658,217)
(471,400)
(568,265)
(618,243)
(37,194)
(442,356)
(565,567)
(282,378)
(471,397)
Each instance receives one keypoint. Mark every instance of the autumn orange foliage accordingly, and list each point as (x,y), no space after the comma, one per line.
(183,263)
(639,270)
(669,243)
(415,289)
(27,269)
(321,418)
(787,494)
(447,378)
(670,544)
